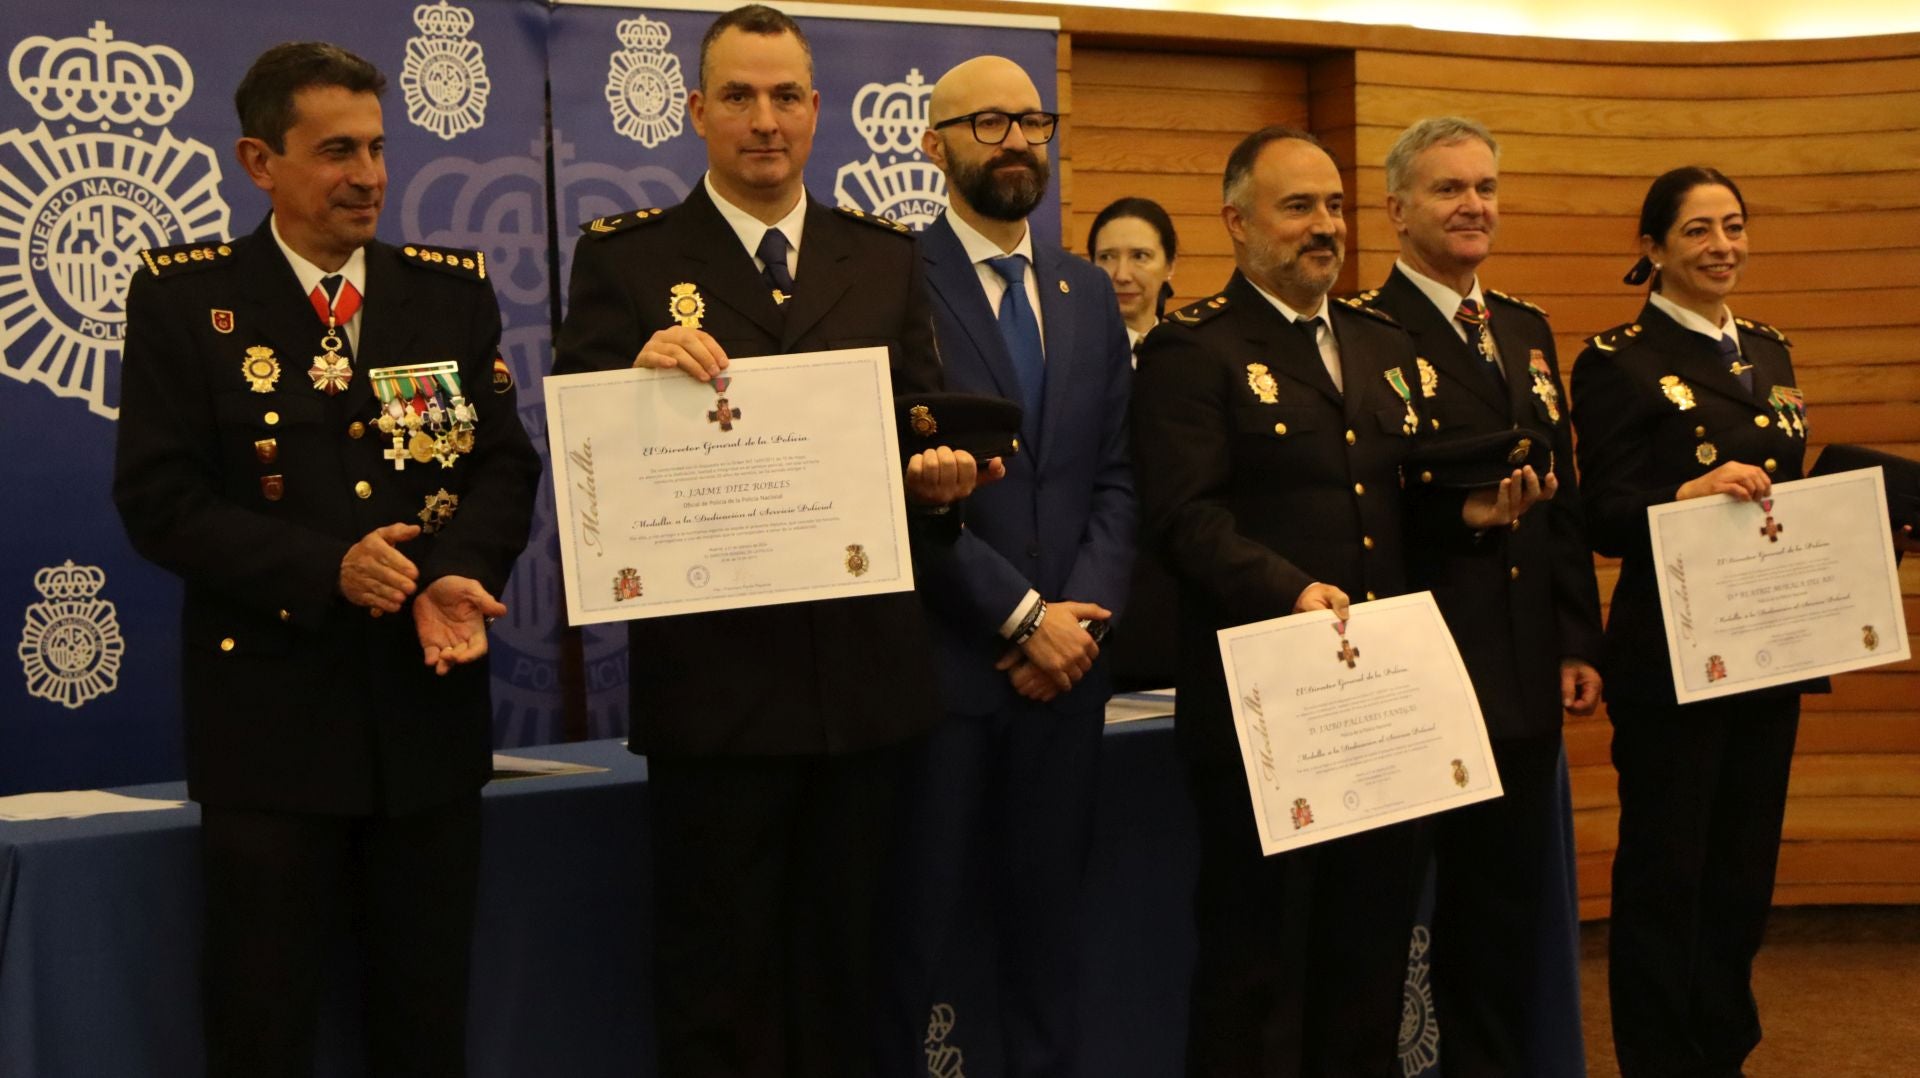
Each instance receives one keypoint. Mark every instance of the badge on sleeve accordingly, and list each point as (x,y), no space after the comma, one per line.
(502,375)
(222,320)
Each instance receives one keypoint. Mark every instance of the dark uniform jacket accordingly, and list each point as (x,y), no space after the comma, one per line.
(1251,490)
(295,699)
(818,677)
(1519,599)
(1656,407)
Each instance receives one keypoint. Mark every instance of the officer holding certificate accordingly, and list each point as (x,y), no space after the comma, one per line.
(774,735)
(1686,401)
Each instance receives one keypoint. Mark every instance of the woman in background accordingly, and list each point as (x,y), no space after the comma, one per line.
(1133,240)
(1686,401)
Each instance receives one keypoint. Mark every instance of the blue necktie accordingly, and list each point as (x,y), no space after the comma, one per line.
(773,252)
(1731,353)
(1020,328)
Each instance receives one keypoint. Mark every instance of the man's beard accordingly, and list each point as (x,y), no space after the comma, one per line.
(1277,269)
(1003,198)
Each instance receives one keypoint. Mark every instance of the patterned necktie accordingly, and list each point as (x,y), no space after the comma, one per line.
(1731,353)
(773,252)
(1474,317)
(1020,328)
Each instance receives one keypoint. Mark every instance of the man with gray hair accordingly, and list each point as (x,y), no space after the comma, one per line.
(1269,428)
(1520,600)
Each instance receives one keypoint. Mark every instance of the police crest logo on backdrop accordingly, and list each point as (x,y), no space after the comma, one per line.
(905,187)
(70,647)
(645,89)
(444,77)
(88,198)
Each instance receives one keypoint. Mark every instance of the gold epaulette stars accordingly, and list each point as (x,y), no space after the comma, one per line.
(1763,329)
(1516,301)
(1355,303)
(1198,311)
(166,261)
(1612,340)
(620,222)
(874,219)
(469,264)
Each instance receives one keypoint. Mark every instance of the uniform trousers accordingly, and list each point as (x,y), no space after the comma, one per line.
(1302,963)
(1703,789)
(1492,862)
(993,872)
(281,887)
(765,875)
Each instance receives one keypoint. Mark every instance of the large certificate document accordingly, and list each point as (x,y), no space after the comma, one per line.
(778,483)
(1343,733)
(1768,593)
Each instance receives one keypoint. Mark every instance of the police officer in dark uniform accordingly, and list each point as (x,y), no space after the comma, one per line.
(318,437)
(774,735)
(1684,402)
(1269,430)
(1521,601)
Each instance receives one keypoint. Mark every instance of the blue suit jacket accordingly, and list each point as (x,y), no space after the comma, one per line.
(1063,520)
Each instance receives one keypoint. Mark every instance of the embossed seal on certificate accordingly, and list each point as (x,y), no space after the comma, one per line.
(626,585)
(1460,774)
(857,561)
(1870,638)
(687,305)
(1302,813)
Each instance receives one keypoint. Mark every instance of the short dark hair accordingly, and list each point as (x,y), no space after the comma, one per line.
(1156,218)
(265,97)
(1661,208)
(753,19)
(1240,162)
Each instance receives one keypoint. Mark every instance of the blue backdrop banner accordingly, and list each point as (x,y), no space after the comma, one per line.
(622,140)
(116,135)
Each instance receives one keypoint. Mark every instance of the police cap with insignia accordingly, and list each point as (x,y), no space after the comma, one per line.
(1470,462)
(1902,477)
(984,426)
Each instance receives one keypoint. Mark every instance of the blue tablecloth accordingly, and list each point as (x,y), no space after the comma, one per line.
(100,925)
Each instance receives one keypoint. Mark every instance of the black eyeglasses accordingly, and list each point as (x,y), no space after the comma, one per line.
(990,126)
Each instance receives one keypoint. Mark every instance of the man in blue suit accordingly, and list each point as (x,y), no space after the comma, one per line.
(1002,813)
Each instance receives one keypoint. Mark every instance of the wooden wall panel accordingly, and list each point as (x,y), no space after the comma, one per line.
(1824,138)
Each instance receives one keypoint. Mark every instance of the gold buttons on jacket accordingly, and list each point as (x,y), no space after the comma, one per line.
(1426,477)
(363,488)
(284,616)
(1762,421)
(1369,597)
(356,429)
(1699,432)
(1352,437)
(1771,465)
(227,644)
(1367,541)
(1279,428)
(1359,488)
(271,419)
(1513,573)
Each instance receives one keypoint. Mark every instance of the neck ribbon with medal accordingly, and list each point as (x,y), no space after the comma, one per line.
(331,371)
(424,412)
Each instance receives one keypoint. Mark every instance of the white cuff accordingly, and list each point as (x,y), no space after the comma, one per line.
(1019,614)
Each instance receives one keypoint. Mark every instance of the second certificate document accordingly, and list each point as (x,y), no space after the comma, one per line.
(1346,732)
(780,482)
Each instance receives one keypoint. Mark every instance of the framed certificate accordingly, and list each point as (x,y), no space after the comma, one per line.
(1756,594)
(779,482)
(1343,732)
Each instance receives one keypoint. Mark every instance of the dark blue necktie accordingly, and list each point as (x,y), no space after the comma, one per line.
(1731,353)
(773,252)
(1020,328)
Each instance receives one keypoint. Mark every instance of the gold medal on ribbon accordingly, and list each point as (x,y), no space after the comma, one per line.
(261,369)
(420,447)
(331,371)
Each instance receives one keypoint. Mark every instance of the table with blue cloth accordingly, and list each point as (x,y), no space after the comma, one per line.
(100,929)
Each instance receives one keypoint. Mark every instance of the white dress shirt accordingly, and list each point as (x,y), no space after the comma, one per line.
(979,249)
(1692,321)
(752,230)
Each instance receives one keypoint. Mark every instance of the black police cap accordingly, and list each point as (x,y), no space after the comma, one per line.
(1470,462)
(1902,477)
(983,426)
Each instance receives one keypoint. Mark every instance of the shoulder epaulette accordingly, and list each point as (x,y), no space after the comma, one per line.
(874,219)
(1199,311)
(1355,303)
(1368,296)
(1516,301)
(1763,329)
(620,222)
(167,261)
(469,264)
(1613,340)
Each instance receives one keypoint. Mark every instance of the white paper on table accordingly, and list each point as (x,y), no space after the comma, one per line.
(662,512)
(1335,743)
(73,804)
(1753,597)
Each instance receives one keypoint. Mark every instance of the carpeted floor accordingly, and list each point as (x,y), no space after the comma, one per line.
(1839,992)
